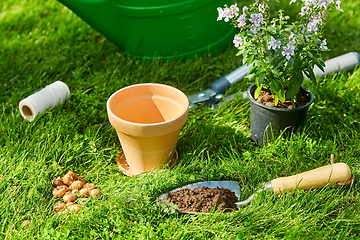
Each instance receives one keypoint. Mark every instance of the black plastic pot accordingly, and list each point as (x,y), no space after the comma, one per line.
(268,122)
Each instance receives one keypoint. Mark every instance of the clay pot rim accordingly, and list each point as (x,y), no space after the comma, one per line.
(280,109)
(148,124)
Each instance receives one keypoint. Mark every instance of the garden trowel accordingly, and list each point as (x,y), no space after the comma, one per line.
(330,175)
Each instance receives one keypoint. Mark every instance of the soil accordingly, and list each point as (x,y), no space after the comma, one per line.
(204,199)
(267,99)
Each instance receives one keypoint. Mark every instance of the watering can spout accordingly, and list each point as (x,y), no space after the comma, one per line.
(158,29)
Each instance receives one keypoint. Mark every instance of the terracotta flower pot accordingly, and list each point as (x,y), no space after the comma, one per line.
(148,119)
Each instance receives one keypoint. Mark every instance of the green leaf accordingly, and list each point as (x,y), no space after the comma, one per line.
(275,72)
(276,85)
(310,55)
(244,61)
(312,75)
(276,100)
(300,77)
(250,59)
(278,63)
(253,69)
(290,91)
(260,78)
(294,86)
(281,95)
(257,91)
(289,28)
(297,64)
(271,29)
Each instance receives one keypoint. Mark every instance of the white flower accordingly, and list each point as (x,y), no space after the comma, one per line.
(304,10)
(237,41)
(323,3)
(312,27)
(309,2)
(242,21)
(274,24)
(245,8)
(315,23)
(338,6)
(235,9)
(228,13)
(323,45)
(288,51)
(257,18)
(262,7)
(273,43)
(255,27)
(292,39)
(221,13)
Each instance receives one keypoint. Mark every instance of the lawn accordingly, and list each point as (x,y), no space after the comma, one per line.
(43,41)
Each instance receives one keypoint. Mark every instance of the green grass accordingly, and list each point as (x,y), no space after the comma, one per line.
(42,41)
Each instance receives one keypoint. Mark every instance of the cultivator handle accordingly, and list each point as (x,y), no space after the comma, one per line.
(316,178)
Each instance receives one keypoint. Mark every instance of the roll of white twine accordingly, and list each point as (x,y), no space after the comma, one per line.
(48,97)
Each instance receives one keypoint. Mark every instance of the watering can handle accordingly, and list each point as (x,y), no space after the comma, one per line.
(316,178)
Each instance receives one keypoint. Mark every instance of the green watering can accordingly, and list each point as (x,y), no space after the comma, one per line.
(158,28)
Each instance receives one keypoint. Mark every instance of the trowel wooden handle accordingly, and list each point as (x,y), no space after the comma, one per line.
(316,178)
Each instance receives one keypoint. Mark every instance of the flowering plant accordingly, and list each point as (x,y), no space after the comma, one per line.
(280,52)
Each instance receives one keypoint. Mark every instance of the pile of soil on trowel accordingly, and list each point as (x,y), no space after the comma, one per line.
(204,199)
